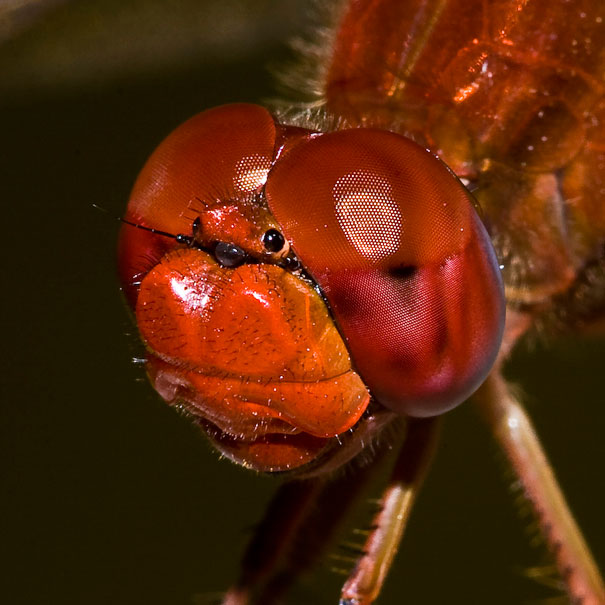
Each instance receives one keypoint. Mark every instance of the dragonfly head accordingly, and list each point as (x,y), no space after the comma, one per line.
(283,278)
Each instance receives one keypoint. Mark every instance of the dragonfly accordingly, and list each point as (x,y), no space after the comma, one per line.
(509,96)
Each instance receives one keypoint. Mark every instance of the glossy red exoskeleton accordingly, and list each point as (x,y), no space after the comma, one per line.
(309,273)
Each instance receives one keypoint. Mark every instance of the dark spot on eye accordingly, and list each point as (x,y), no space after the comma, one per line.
(403,271)
(273,240)
(229,255)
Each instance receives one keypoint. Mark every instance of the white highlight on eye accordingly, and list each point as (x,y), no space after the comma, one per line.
(368,213)
(251,172)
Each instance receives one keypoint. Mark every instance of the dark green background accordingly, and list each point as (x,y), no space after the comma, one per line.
(108,497)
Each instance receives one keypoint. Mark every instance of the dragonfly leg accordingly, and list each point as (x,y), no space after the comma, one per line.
(299,524)
(364,584)
(516,436)
(288,510)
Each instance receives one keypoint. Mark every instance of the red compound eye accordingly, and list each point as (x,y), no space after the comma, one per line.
(395,243)
(221,154)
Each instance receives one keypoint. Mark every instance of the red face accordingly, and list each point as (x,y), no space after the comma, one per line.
(282,278)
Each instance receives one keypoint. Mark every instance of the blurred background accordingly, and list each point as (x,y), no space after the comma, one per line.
(108,496)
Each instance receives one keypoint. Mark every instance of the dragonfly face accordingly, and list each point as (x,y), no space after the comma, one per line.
(265,216)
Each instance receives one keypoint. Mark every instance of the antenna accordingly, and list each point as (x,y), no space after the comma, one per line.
(181,238)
